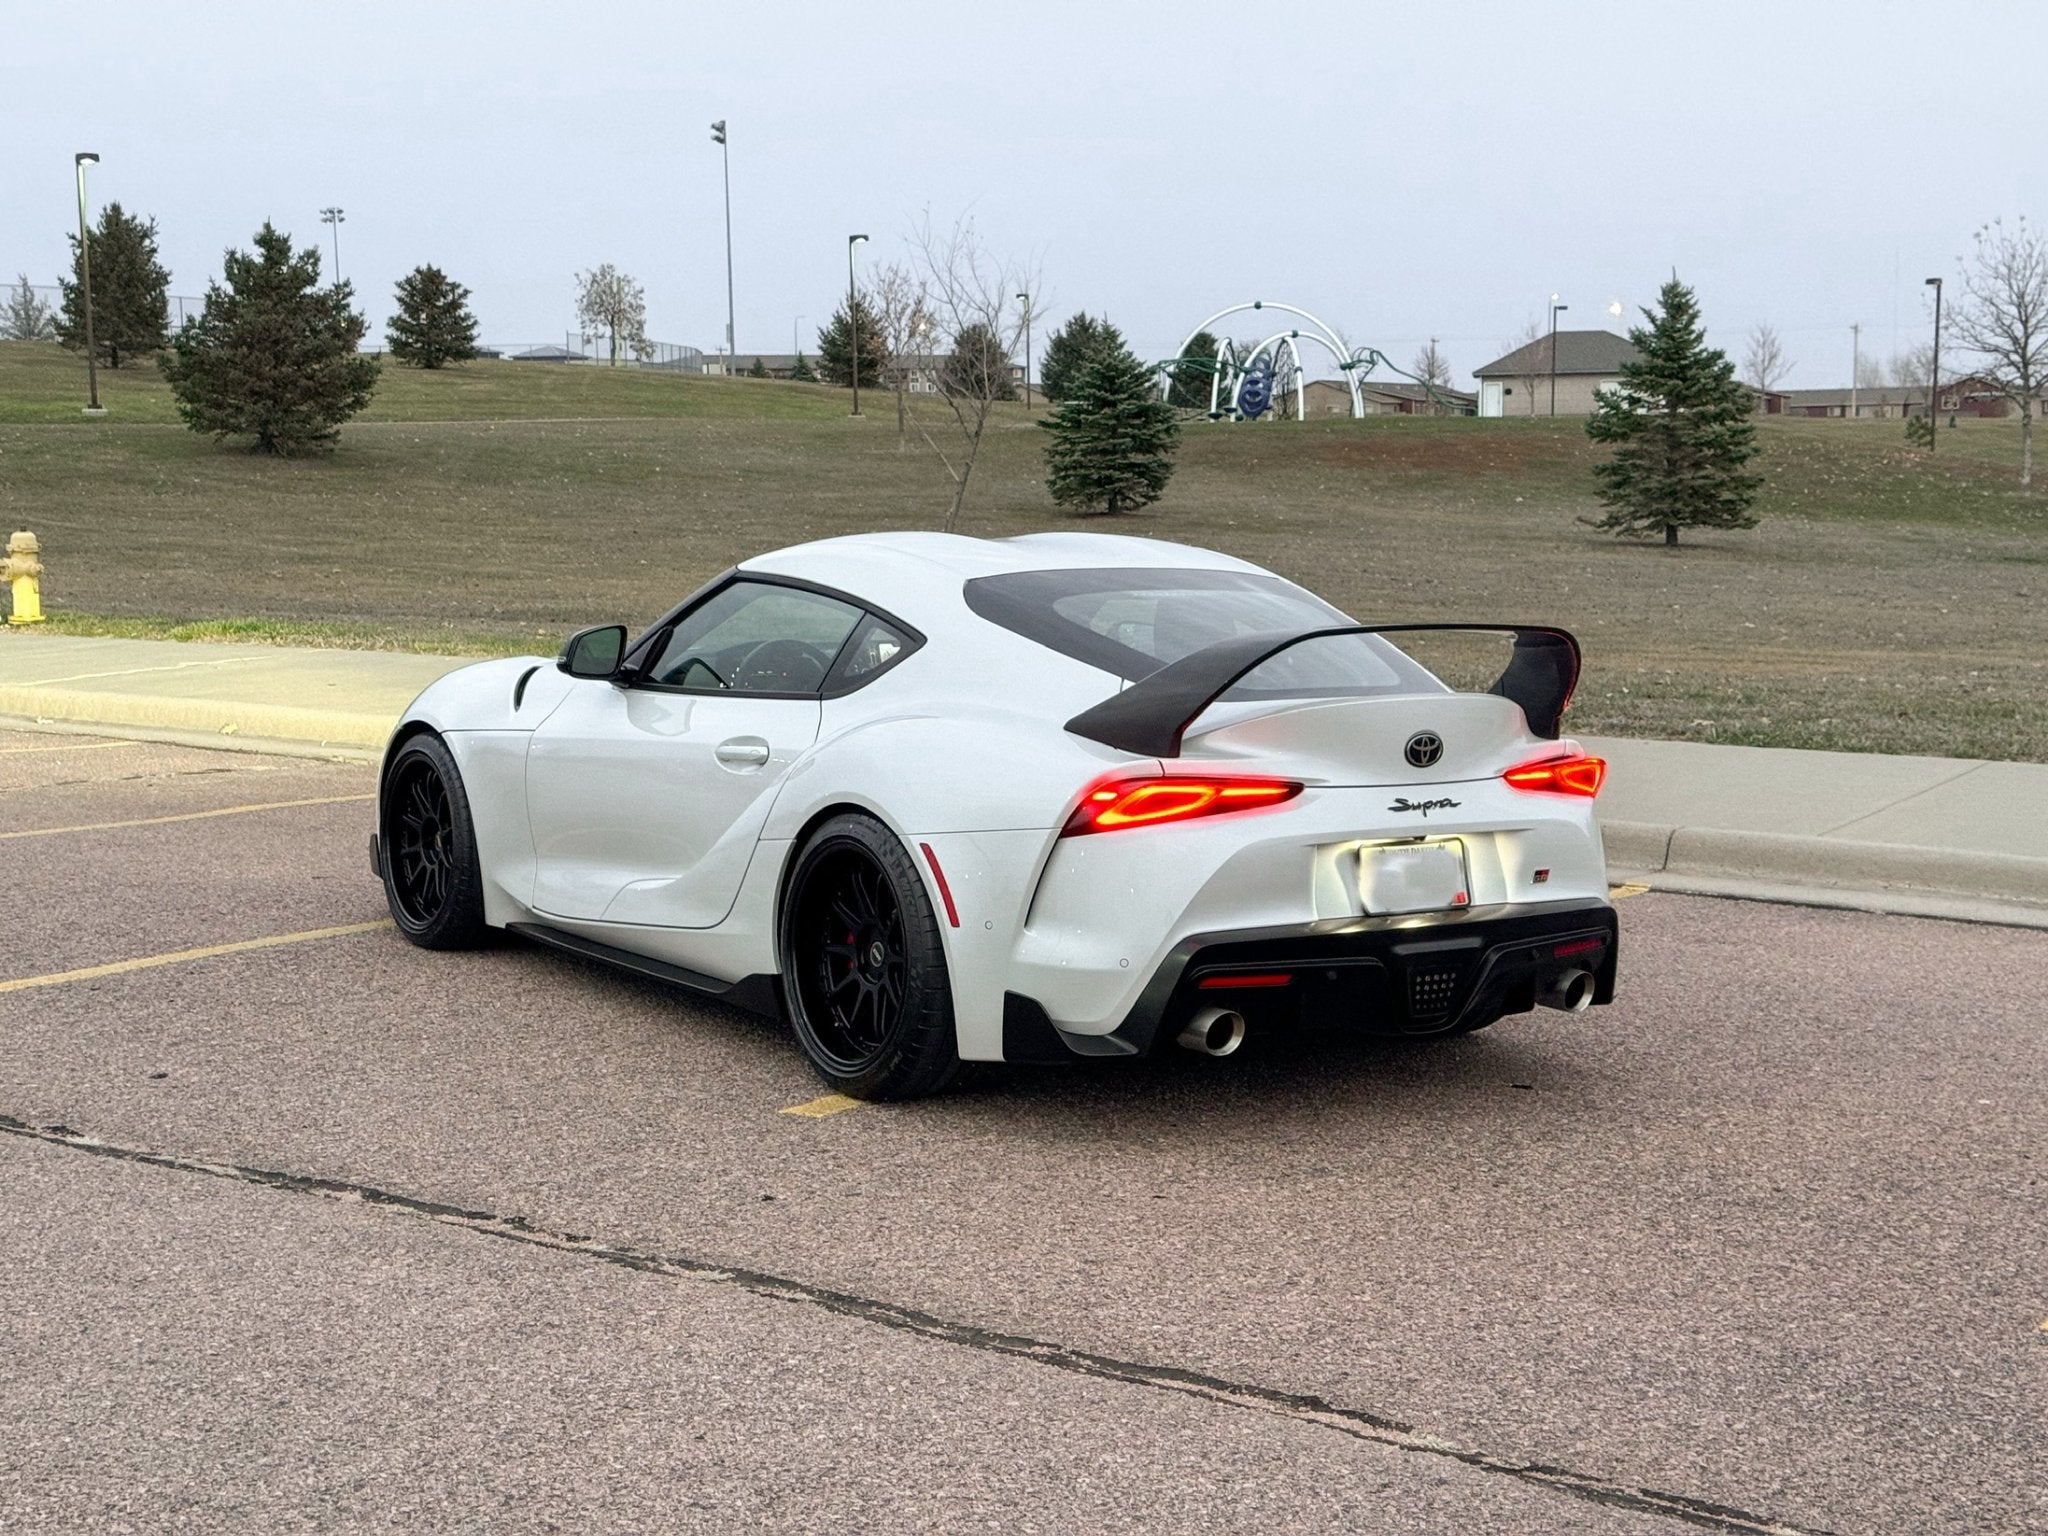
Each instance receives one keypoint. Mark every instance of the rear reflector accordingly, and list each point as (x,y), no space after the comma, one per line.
(945,890)
(1578,947)
(1228,983)
(1578,774)
(1149,802)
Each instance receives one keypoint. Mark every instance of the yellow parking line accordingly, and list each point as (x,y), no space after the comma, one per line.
(180,956)
(830,1104)
(157,821)
(76,746)
(1623,892)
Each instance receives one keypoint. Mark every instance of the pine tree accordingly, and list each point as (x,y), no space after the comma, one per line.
(835,353)
(802,373)
(758,371)
(131,310)
(1112,437)
(978,367)
(274,355)
(24,316)
(1193,373)
(433,326)
(1071,347)
(1681,429)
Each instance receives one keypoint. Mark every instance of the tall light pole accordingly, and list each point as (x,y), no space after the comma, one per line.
(1934,367)
(795,327)
(1555,308)
(334,219)
(1855,368)
(725,154)
(1025,300)
(92,374)
(853,319)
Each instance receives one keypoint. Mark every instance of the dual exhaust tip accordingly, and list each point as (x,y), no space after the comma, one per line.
(1219,1031)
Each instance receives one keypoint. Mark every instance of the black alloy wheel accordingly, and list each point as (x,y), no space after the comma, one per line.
(864,967)
(432,882)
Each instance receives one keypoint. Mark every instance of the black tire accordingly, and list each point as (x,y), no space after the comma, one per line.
(863,967)
(432,881)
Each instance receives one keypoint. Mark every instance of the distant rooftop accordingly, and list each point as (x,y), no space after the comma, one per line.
(1594,352)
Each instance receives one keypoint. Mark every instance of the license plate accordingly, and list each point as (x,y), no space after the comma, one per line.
(1413,877)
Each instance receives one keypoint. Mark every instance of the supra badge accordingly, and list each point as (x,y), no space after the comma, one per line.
(1423,749)
(1403,803)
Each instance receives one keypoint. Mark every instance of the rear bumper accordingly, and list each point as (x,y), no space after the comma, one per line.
(1388,975)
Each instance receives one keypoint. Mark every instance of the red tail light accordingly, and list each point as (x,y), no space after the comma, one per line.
(1578,774)
(1149,802)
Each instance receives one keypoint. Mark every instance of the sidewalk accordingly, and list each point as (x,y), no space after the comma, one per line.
(1942,837)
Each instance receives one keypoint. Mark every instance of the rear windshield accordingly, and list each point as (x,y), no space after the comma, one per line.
(1133,622)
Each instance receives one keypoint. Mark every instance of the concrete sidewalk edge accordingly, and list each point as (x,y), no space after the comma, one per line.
(203,717)
(1890,902)
(211,741)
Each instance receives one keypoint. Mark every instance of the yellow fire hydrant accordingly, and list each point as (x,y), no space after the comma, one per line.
(23,572)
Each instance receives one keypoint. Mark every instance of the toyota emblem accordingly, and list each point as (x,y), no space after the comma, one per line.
(1423,749)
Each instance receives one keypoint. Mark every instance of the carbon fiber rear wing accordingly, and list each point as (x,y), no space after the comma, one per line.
(1150,717)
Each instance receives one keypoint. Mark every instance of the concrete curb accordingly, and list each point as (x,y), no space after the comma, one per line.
(199,717)
(1825,862)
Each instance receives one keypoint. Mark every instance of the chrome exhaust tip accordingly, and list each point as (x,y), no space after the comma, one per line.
(1213,1032)
(1572,992)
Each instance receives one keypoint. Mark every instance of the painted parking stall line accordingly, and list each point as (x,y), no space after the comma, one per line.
(184,956)
(158,821)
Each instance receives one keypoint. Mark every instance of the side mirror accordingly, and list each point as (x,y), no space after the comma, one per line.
(594,652)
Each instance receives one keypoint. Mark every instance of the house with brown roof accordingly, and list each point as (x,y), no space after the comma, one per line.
(1531,381)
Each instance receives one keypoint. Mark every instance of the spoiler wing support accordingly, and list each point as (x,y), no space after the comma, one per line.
(1150,717)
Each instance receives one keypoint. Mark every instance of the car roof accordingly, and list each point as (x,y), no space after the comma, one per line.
(918,574)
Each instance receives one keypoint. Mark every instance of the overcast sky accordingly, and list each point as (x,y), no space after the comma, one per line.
(1401,171)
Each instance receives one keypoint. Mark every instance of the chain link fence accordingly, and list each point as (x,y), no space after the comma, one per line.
(49,301)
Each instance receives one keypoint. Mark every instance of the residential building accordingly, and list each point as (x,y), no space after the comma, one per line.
(1332,397)
(1521,384)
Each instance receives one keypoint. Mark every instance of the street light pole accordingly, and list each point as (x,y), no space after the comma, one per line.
(795,327)
(853,319)
(92,372)
(1555,307)
(1934,368)
(332,217)
(725,154)
(1025,299)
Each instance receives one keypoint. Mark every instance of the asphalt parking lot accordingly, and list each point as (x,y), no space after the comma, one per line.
(304,1229)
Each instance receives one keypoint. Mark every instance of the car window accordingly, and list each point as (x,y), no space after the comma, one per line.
(876,647)
(754,637)
(1133,622)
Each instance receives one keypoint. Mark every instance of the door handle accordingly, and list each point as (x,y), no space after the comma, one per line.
(742,752)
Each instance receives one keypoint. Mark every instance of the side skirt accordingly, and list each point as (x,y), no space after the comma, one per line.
(756,994)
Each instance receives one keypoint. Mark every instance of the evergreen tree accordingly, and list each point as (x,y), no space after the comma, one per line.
(1112,437)
(1681,430)
(131,310)
(802,373)
(835,349)
(1193,373)
(1071,346)
(433,326)
(274,355)
(25,317)
(978,367)
(758,371)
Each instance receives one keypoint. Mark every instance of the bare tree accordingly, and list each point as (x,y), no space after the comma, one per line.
(24,316)
(965,286)
(609,301)
(1536,366)
(1869,373)
(1912,368)
(2003,318)
(1434,369)
(897,299)
(1764,363)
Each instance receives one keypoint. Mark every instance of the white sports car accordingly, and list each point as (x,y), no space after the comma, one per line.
(940,799)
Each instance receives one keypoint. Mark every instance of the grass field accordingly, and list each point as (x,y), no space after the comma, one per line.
(1889,601)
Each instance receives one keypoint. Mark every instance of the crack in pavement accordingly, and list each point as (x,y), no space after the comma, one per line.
(1300,1407)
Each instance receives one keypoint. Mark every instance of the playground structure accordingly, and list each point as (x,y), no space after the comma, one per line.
(1245,385)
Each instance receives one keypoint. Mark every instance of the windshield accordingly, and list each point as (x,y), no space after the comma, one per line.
(1133,622)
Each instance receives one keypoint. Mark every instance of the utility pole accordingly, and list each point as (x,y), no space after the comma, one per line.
(853,319)
(1025,300)
(1855,367)
(1934,368)
(718,138)
(1555,307)
(92,372)
(332,217)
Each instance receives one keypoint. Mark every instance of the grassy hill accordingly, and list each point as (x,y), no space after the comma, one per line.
(1890,601)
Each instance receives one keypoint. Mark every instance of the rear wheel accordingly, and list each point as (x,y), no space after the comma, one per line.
(432,880)
(864,968)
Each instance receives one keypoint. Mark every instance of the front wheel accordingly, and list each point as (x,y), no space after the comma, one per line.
(432,880)
(864,968)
